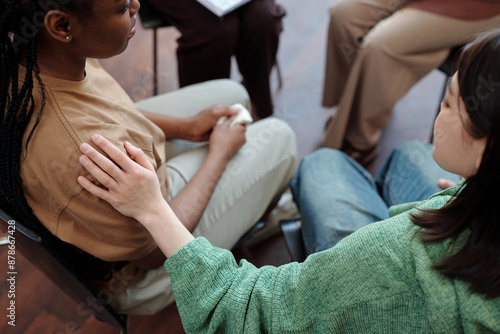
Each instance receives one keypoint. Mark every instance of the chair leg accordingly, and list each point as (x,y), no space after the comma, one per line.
(125,328)
(155,63)
(278,72)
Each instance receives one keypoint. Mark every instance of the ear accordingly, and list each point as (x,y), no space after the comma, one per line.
(57,24)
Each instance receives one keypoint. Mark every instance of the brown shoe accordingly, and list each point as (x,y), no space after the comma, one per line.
(364,158)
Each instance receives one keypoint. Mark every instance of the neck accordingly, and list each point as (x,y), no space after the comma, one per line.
(57,62)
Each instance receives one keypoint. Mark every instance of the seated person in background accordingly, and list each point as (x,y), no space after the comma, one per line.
(352,198)
(433,267)
(250,32)
(377,50)
(55,103)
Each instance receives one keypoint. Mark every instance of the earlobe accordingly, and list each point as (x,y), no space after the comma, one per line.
(57,24)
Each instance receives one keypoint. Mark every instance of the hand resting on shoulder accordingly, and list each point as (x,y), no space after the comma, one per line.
(132,188)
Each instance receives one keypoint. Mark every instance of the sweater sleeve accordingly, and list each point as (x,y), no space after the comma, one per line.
(377,280)
(367,276)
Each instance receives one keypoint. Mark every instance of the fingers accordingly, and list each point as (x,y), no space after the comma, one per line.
(114,154)
(445,184)
(231,122)
(93,189)
(138,155)
(220,111)
(102,168)
(104,178)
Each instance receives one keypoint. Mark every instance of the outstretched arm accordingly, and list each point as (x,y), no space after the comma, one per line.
(330,290)
(132,188)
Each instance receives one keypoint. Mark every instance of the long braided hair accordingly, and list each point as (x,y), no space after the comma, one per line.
(17,103)
(20,23)
(19,30)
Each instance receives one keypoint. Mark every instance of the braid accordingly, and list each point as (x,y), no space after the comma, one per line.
(18,109)
(6,13)
(17,104)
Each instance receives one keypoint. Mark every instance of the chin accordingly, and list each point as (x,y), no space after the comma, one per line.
(435,156)
(434,152)
(124,47)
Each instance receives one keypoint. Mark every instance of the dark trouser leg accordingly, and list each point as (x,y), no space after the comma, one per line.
(260,26)
(207,41)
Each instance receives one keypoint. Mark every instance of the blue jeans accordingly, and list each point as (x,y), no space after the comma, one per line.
(336,196)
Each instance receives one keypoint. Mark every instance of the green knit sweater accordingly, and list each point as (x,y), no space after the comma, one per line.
(378,280)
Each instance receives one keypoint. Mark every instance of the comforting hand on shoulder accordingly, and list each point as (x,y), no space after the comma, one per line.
(131,186)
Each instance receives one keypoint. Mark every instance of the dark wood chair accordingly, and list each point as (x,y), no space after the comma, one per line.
(292,233)
(48,256)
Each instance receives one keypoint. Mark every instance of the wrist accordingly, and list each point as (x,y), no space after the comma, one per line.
(153,214)
(179,128)
(185,128)
(218,156)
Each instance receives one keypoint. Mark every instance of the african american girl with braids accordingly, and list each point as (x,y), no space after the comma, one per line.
(433,267)
(54,95)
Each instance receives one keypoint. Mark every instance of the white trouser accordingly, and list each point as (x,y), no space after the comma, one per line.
(256,176)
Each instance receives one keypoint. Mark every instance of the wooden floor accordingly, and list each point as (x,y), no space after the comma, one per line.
(42,308)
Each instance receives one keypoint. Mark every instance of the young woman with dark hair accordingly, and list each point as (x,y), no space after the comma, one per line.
(434,266)
(54,95)
(474,209)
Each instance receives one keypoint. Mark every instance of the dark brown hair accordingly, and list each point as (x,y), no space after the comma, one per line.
(476,205)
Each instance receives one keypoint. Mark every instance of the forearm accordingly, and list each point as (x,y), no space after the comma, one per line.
(173,127)
(170,225)
(167,230)
(190,203)
(365,272)
(240,296)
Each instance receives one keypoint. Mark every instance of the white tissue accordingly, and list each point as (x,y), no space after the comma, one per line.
(243,116)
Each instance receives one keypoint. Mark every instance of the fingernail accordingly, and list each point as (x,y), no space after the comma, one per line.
(96,138)
(83,159)
(84,147)
(81,180)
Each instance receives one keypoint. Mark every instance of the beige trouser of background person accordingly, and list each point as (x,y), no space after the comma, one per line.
(255,177)
(376,51)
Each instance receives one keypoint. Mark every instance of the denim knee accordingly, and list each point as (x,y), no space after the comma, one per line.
(324,165)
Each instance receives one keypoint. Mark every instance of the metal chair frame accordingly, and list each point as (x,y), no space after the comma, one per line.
(292,232)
